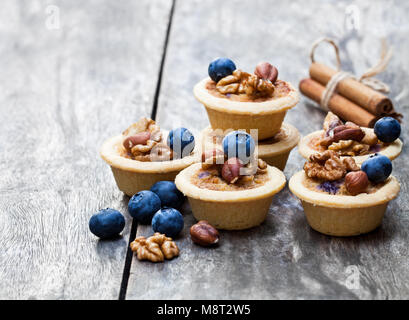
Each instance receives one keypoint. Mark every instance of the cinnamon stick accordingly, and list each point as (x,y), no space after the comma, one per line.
(344,108)
(369,99)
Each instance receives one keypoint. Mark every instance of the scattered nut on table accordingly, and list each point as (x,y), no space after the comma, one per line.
(204,234)
(155,248)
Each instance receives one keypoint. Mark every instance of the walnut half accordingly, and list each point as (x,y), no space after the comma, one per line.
(328,166)
(155,248)
(241,82)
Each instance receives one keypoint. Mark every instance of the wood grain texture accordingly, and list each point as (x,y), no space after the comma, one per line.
(283,258)
(63,92)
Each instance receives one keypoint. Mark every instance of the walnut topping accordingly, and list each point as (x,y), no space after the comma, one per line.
(370,138)
(241,82)
(155,248)
(342,144)
(328,166)
(144,142)
(261,166)
(346,139)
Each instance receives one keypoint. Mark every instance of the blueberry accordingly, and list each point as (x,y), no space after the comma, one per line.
(387,129)
(181,141)
(168,221)
(220,68)
(107,223)
(239,144)
(377,168)
(144,205)
(169,195)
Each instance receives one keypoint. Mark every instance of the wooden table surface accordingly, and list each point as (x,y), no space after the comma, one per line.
(74,73)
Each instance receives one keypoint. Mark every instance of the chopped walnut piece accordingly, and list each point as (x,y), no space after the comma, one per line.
(155,248)
(328,166)
(262,166)
(144,124)
(241,82)
(359,148)
(147,250)
(341,144)
(350,164)
(370,138)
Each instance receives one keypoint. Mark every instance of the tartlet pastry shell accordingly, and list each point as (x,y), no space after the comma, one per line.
(392,151)
(275,154)
(339,215)
(266,116)
(230,210)
(132,176)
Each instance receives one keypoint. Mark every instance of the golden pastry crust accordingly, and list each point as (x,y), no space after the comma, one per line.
(392,150)
(112,150)
(223,104)
(387,192)
(230,210)
(275,182)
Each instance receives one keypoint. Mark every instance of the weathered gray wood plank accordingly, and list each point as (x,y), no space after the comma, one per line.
(283,258)
(63,92)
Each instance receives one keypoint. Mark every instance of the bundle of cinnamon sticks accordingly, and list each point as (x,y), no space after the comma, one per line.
(352,101)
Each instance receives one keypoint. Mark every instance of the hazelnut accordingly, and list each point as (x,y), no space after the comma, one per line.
(139,138)
(356,182)
(204,234)
(231,170)
(266,71)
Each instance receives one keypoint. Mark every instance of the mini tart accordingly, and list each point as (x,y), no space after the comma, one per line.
(266,115)
(273,151)
(392,150)
(341,215)
(132,176)
(230,210)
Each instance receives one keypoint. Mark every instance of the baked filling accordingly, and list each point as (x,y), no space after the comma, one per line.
(346,139)
(211,178)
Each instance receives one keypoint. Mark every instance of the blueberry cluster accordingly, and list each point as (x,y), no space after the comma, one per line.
(157,206)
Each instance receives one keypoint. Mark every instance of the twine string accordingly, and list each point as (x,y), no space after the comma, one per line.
(366,78)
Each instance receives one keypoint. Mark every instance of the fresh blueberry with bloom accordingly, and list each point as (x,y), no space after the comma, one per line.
(377,167)
(169,195)
(168,221)
(181,141)
(387,129)
(107,223)
(143,205)
(239,144)
(220,68)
